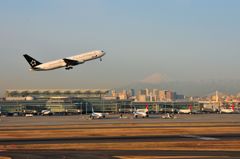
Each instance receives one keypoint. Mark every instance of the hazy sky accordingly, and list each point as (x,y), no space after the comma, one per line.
(179,40)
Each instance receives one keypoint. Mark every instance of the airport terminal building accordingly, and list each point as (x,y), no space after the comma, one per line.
(59,101)
(75,101)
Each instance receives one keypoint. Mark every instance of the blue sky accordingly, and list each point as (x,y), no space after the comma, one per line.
(179,40)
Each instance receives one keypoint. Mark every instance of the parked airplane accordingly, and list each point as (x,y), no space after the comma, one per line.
(141,112)
(228,110)
(185,110)
(68,62)
(46,112)
(97,115)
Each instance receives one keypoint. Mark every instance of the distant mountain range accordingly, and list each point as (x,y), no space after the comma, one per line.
(199,88)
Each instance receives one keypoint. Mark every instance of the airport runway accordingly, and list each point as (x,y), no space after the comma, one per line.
(122,139)
(121,154)
(114,119)
(187,136)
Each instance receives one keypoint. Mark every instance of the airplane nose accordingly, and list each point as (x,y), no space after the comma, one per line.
(103,53)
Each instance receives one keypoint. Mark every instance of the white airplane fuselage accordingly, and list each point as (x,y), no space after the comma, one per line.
(77,59)
(98,115)
(184,111)
(141,113)
(46,112)
(226,110)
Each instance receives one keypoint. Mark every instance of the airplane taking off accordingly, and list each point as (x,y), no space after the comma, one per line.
(68,62)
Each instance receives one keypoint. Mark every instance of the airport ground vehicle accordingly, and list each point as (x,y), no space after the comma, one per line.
(168,116)
(28,115)
(210,108)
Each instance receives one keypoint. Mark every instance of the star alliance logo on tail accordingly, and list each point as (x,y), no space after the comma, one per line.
(33,62)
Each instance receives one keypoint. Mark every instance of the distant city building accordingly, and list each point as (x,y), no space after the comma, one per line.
(170,96)
(123,94)
(114,93)
(147,92)
(158,95)
(131,92)
(180,97)
(162,95)
(142,98)
(142,92)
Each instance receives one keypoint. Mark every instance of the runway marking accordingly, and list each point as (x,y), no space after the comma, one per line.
(170,157)
(201,137)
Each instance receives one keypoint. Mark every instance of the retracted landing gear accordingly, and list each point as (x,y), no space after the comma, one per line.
(68,68)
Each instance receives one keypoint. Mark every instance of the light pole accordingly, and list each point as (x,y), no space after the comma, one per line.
(117,108)
(81,108)
(102,105)
(165,108)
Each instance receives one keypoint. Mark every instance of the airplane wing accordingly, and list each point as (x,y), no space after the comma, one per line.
(71,62)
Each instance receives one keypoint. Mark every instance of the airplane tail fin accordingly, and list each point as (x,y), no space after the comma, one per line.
(32,62)
(233,107)
(146,107)
(92,110)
